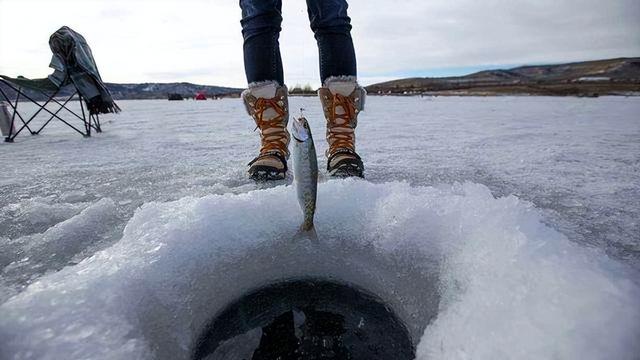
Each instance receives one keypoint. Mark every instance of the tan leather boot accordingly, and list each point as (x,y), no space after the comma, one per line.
(342,100)
(267,104)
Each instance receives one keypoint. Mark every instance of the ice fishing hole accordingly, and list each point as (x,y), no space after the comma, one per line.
(306,319)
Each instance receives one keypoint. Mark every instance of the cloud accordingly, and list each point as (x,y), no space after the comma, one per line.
(114,13)
(200,41)
(425,34)
(170,76)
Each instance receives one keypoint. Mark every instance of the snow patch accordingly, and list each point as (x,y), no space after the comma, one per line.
(60,245)
(37,214)
(471,276)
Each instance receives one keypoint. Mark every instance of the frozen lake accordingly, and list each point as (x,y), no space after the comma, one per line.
(495,227)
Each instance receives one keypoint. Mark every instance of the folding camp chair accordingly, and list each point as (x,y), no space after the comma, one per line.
(75,69)
(50,91)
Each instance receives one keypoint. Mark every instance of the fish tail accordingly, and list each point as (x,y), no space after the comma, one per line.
(307,231)
(307,225)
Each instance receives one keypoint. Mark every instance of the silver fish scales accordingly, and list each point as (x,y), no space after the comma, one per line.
(305,165)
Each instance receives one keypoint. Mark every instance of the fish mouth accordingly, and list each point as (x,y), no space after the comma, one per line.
(299,131)
(296,138)
(296,135)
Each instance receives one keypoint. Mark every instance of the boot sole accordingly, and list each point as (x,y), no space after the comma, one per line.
(264,175)
(346,171)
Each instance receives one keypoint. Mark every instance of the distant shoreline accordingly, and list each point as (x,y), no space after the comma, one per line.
(609,77)
(427,95)
(619,77)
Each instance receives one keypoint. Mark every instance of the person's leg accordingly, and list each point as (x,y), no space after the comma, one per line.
(341,96)
(266,96)
(260,22)
(332,29)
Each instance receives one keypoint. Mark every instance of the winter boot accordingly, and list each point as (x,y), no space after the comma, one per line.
(342,99)
(268,105)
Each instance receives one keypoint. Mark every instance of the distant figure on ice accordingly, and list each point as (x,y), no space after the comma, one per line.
(266,97)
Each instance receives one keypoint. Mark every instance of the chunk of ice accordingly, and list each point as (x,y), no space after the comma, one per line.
(471,276)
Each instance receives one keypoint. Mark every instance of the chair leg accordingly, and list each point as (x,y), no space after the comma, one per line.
(15,112)
(96,122)
(12,131)
(52,117)
(55,115)
(89,121)
(14,107)
(41,108)
(87,124)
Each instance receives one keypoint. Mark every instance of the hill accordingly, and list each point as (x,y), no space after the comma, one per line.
(147,91)
(161,90)
(619,76)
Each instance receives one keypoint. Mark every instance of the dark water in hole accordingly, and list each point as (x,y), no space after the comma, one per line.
(306,319)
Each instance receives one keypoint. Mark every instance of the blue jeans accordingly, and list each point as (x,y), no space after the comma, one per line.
(261,21)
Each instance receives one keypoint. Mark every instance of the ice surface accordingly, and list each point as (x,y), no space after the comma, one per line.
(472,275)
(510,286)
(577,159)
(62,244)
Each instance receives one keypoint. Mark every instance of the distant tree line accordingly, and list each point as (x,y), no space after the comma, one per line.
(302,90)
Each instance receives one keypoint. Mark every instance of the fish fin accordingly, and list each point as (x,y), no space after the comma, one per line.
(306,232)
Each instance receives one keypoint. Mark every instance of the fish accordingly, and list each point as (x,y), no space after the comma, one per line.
(305,173)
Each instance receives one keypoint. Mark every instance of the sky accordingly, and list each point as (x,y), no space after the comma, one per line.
(200,41)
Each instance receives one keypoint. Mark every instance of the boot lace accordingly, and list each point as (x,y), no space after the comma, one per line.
(340,133)
(272,131)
